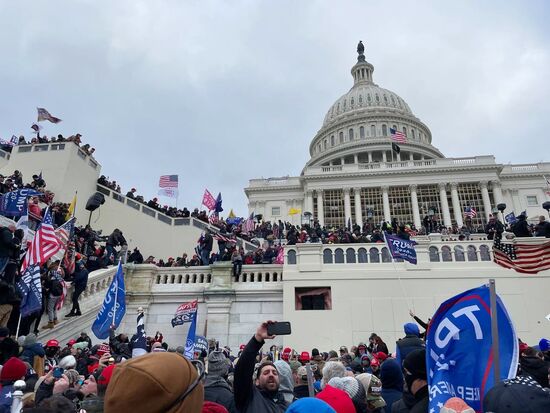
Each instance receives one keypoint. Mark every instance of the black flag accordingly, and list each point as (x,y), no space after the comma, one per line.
(395,147)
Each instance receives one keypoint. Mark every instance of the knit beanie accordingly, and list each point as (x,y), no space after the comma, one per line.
(106,374)
(152,383)
(415,363)
(218,365)
(351,386)
(67,362)
(411,329)
(13,369)
(544,344)
(314,352)
(29,340)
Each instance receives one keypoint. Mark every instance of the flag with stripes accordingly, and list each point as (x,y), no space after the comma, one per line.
(139,340)
(168,181)
(526,258)
(44,245)
(213,218)
(470,211)
(208,200)
(43,114)
(397,136)
(223,238)
(65,232)
(249,224)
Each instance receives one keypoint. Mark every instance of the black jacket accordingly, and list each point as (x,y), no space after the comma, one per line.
(536,368)
(248,398)
(217,390)
(7,242)
(521,228)
(406,345)
(8,348)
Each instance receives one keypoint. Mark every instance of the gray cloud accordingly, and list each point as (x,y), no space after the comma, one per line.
(221,92)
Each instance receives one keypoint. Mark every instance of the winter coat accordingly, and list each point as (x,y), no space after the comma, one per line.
(536,368)
(80,278)
(7,242)
(521,228)
(542,229)
(217,390)
(406,345)
(118,347)
(31,351)
(8,348)
(249,398)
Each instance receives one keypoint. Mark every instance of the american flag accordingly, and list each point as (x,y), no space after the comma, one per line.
(43,114)
(398,136)
(168,181)
(65,231)
(44,244)
(223,238)
(249,224)
(522,257)
(470,211)
(213,218)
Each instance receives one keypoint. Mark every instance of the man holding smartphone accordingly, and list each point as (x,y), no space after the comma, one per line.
(260,394)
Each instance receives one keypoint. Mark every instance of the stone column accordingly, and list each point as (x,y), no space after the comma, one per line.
(384,157)
(356,159)
(370,156)
(416,210)
(386,202)
(358,211)
(411,156)
(398,158)
(457,209)
(320,209)
(347,207)
(445,204)
(486,199)
(342,161)
(309,201)
(499,198)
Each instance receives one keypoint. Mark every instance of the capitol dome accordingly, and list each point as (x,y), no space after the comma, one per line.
(358,126)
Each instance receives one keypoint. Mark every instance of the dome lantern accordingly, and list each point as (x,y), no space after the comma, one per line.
(362,71)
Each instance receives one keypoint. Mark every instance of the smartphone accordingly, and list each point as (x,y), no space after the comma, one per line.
(58,372)
(281,328)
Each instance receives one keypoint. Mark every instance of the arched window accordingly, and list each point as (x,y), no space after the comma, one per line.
(291,257)
(386,257)
(350,134)
(404,131)
(385,99)
(360,99)
(434,254)
(372,130)
(362,132)
(446,254)
(339,256)
(484,253)
(377,98)
(352,102)
(384,130)
(412,133)
(374,255)
(459,253)
(325,145)
(472,253)
(341,136)
(362,255)
(395,127)
(332,140)
(327,256)
(350,256)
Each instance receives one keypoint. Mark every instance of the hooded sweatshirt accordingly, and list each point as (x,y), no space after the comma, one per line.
(286,384)
(392,382)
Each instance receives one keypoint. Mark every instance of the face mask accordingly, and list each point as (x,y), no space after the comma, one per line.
(409,379)
(50,352)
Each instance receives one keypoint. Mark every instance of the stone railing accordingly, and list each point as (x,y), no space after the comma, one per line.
(58,146)
(166,219)
(535,168)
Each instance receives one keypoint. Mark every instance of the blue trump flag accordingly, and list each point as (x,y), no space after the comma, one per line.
(201,343)
(14,203)
(30,288)
(113,308)
(401,248)
(459,352)
(218,207)
(190,342)
(510,218)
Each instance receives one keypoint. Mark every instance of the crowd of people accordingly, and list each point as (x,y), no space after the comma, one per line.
(76,139)
(125,373)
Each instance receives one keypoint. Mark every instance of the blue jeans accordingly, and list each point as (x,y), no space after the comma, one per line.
(205,256)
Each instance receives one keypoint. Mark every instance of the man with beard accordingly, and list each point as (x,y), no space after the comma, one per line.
(262,395)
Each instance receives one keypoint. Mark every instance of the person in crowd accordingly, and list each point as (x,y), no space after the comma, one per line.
(532,364)
(416,399)
(8,346)
(51,349)
(542,229)
(31,349)
(286,380)
(12,370)
(410,342)
(136,257)
(8,244)
(80,282)
(17,179)
(206,247)
(130,193)
(392,382)
(120,345)
(257,392)
(494,228)
(237,260)
(53,289)
(522,394)
(520,228)
(37,182)
(216,387)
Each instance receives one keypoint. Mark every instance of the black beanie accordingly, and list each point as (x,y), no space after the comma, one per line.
(314,352)
(415,363)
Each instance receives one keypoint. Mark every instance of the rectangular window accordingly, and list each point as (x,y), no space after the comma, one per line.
(275,211)
(313,298)
(532,200)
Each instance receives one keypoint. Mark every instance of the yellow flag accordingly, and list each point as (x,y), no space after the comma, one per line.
(72,207)
(231,214)
(294,211)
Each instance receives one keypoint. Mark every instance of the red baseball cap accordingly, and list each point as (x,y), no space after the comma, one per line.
(71,342)
(106,374)
(380,356)
(304,356)
(242,347)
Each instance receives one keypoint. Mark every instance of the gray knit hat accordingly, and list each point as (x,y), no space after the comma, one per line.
(218,365)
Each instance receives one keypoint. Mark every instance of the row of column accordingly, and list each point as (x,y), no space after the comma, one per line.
(446,213)
(385,158)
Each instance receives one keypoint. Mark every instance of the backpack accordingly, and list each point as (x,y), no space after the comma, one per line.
(56,288)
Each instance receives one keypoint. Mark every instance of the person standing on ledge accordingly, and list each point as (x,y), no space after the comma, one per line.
(262,394)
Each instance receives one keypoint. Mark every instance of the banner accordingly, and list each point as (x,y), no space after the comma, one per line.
(185,313)
(510,218)
(201,343)
(190,342)
(459,352)
(208,200)
(401,248)
(169,192)
(30,288)
(114,304)
(15,203)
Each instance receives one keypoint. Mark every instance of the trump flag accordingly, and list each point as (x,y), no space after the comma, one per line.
(113,308)
(459,353)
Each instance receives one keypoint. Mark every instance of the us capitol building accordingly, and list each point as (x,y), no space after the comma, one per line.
(353,175)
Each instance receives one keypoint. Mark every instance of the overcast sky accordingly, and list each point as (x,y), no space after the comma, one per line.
(222,92)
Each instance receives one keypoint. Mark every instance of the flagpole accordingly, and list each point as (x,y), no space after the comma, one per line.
(18,325)
(116,297)
(75,201)
(494,329)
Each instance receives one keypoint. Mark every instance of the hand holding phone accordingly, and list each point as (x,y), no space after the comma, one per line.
(58,372)
(281,328)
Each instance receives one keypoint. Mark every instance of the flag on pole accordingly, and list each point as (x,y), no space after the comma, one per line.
(470,211)
(397,136)
(14,203)
(522,257)
(249,224)
(113,308)
(168,185)
(459,352)
(294,211)
(395,147)
(139,340)
(232,219)
(72,208)
(23,224)
(66,231)
(213,218)
(184,313)
(401,248)
(44,245)
(208,200)
(190,342)
(43,114)
(280,256)
(30,289)
(218,208)
(510,218)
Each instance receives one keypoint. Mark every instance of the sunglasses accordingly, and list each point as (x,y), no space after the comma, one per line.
(201,372)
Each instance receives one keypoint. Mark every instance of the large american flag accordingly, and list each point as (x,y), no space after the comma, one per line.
(248,226)
(44,245)
(398,136)
(522,257)
(470,211)
(168,181)
(65,231)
